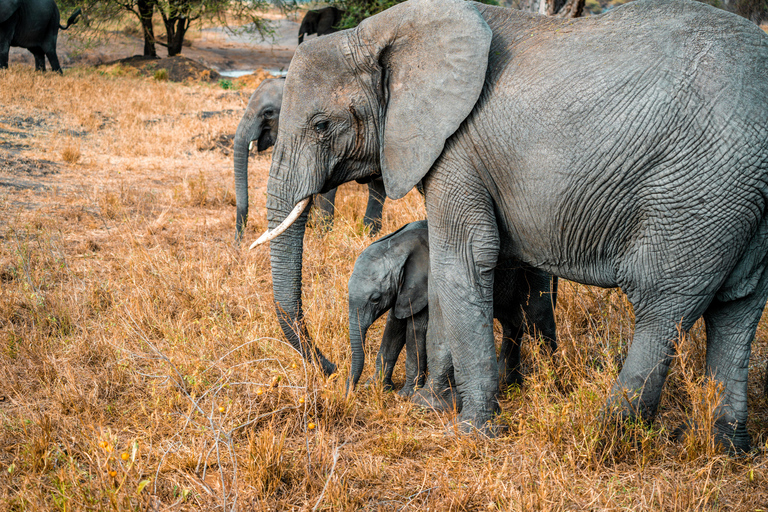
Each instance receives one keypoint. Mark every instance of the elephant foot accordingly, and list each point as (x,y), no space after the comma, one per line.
(466,426)
(511,378)
(386,384)
(448,400)
(406,391)
(731,441)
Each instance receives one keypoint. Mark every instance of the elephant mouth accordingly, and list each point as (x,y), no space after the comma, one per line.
(290,219)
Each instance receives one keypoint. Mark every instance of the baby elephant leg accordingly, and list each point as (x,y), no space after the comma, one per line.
(392,343)
(416,352)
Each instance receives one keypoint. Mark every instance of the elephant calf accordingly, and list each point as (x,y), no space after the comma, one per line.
(259,124)
(392,275)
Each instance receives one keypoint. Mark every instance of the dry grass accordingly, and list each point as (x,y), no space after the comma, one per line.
(142,368)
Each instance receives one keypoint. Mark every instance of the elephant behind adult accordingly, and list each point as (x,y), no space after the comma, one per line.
(34,25)
(622,150)
(320,22)
(259,124)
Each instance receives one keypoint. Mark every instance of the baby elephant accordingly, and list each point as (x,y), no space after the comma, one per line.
(392,275)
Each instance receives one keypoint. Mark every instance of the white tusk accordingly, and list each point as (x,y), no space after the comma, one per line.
(250,146)
(290,219)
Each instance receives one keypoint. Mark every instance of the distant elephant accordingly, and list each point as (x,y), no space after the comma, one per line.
(392,274)
(34,25)
(259,124)
(628,150)
(320,22)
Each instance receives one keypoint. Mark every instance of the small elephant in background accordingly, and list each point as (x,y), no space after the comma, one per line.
(392,274)
(34,25)
(259,124)
(320,22)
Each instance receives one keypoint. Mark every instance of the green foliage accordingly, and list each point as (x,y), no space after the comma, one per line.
(100,15)
(226,84)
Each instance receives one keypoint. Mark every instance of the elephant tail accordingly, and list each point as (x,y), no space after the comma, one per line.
(72,19)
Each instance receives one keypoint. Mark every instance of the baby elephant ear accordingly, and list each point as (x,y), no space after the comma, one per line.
(434,55)
(413,295)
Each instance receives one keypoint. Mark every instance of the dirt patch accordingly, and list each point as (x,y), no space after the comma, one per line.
(175,69)
(13,167)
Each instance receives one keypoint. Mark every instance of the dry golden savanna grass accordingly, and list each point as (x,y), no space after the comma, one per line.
(142,367)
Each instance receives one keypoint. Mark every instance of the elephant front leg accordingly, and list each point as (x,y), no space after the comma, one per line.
(439,390)
(464,247)
(392,343)
(373,211)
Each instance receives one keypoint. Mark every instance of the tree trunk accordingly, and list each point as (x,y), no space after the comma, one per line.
(175,28)
(146,10)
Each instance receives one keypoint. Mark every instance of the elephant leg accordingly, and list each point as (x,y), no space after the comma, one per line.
(540,307)
(373,211)
(416,352)
(658,323)
(509,356)
(5,48)
(7,31)
(39,58)
(731,328)
(326,208)
(439,391)
(392,343)
(53,59)
(464,246)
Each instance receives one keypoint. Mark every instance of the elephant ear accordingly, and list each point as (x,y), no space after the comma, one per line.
(413,294)
(434,55)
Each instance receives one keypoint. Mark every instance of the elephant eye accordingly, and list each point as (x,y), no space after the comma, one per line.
(375,298)
(321,126)
(269,113)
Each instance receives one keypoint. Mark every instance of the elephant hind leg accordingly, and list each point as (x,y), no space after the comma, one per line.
(39,58)
(731,327)
(659,319)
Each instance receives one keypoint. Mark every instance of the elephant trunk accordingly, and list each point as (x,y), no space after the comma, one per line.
(358,327)
(286,258)
(249,125)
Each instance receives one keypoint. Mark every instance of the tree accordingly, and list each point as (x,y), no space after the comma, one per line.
(177,16)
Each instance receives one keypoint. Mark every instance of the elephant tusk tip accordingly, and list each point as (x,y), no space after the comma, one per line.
(263,238)
(250,146)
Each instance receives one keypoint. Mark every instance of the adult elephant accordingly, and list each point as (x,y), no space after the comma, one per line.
(624,150)
(259,124)
(320,22)
(34,25)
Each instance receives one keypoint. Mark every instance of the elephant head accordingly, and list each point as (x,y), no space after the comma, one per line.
(382,96)
(259,124)
(390,275)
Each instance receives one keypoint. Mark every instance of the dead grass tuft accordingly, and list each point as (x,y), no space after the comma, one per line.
(142,366)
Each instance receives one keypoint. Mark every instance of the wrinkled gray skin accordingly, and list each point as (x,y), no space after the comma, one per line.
(624,150)
(392,275)
(320,22)
(259,124)
(34,25)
